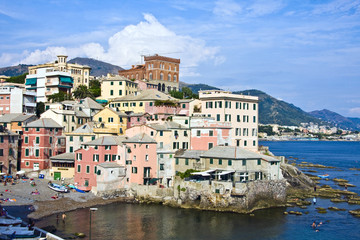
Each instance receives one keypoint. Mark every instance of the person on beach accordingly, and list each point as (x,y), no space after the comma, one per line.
(345,187)
(63,216)
(314,200)
(315,188)
(57,219)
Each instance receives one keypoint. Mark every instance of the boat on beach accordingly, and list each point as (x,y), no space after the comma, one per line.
(58,188)
(8,221)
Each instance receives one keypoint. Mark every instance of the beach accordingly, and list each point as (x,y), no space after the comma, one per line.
(19,202)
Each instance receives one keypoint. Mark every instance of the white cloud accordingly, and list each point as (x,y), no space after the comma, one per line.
(264,7)
(338,6)
(355,110)
(126,47)
(226,8)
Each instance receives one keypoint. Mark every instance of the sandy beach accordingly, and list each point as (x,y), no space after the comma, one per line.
(17,199)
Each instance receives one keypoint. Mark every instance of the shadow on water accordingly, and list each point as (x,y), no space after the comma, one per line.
(131,221)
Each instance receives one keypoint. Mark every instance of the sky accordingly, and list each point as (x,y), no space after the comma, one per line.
(305,52)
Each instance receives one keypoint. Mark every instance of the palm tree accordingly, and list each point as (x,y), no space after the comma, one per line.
(82,92)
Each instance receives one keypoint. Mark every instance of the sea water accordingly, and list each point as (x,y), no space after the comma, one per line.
(133,221)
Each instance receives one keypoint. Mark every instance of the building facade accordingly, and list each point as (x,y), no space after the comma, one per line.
(79,73)
(15,99)
(238,110)
(116,87)
(158,70)
(42,139)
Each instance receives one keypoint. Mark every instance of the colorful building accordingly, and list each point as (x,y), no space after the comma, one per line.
(116,86)
(9,151)
(15,99)
(104,149)
(239,110)
(110,122)
(62,166)
(142,160)
(42,139)
(157,70)
(79,73)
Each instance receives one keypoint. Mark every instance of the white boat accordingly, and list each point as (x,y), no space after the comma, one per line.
(24,232)
(58,188)
(8,221)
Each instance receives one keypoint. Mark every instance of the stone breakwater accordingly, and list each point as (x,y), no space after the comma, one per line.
(215,196)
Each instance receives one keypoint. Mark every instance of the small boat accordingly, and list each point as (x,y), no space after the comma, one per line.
(324,176)
(8,221)
(58,188)
(74,187)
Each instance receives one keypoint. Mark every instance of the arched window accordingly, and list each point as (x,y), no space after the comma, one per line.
(159,87)
(163,88)
(161,76)
(175,78)
(169,77)
(150,76)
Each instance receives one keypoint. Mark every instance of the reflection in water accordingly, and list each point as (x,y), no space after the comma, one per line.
(153,222)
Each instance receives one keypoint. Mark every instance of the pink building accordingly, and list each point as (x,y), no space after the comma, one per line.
(206,133)
(142,160)
(144,84)
(137,119)
(9,143)
(104,149)
(41,140)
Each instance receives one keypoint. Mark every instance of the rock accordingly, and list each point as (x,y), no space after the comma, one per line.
(252,215)
(340,180)
(336,209)
(355,212)
(285,213)
(320,208)
(338,200)
(322,211)
(298,213)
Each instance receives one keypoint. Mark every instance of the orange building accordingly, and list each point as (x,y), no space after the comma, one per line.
(159,70)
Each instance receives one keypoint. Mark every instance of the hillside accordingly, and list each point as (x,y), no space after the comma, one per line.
(14,70)
(337,119)
(98,68)
(197,87)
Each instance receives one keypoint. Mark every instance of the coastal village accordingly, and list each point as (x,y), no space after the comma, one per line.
(135,133)
(136,141)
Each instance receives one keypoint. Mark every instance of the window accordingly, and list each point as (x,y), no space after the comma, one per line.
(100,119)
(79,168)
(111,83)
(107,147)
(259,162)
(185,134)
(120,83)
(254,119)
(113,157)
(110,119)
(146,157)
(107,157)
(211,161)
(161,155)
(245,143)
(254,143)
(186,161)
(176,161)
(71,138)
(211,145)
(220,161)
(218,117)
(95,157)
(111,92)
(254,106)
(134,170)
(198,132)
(26,129)
(71,149)
(161,166)
(50,152)
(211,133)
(238,118)
(161,145)
(244,162)
(26,140)
(87,169)
(38,129)
(50,140)
(37,152)
(79,156)
(230,162)
(19,123)
(120,92)
(37,140)
(26,152)
(95,168)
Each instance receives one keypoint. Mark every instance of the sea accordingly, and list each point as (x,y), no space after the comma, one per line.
(153,222)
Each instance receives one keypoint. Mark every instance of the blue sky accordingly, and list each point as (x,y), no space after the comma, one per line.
(305,52)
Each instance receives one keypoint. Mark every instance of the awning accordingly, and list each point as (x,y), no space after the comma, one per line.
(64,86)
(101,101)
(226,172)
(30,81)
(204,174)
(20,172)
(66,79)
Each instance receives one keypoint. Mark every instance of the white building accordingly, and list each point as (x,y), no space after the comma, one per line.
(15,99)
(239,110)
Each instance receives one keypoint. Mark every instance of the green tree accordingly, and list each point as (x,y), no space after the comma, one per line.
(18,79)
(59,97)
(82,92)
(40,108)
(187,92)
(95,88)
(176,94)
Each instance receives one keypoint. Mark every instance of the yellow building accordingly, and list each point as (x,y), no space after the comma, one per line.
(109,121)
(62,166)
(80,73)
(116,86)
(145,101)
